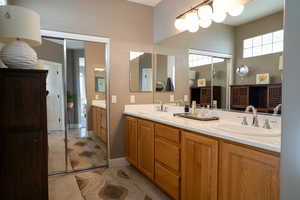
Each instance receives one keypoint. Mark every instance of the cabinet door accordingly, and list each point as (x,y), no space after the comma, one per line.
(239,96)
(199,167)
(146,148)
(205,96)
(103,118)
(248,174)
(274,95)
(131,138)
(94,119)
(98,123)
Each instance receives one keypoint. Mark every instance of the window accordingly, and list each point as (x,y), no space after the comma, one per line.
(263,44)
(2,2)
(196,60)
(81,62)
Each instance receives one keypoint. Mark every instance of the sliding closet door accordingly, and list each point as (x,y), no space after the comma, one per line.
(86,107)
(51,58)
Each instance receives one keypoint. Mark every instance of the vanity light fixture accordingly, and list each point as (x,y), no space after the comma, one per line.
(207,11)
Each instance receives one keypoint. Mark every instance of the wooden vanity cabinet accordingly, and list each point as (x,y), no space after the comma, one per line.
(199,160)
(146,147)
(99,123)
(248,174)
(131,138)
(191,166)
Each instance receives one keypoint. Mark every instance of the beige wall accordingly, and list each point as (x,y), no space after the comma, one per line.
(130,27)
(259,64)
(50,51)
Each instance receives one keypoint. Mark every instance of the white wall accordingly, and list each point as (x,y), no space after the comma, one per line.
(290,159)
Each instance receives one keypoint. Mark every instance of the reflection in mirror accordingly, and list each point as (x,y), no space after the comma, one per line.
(99,80)
(141,72)
(165,73)
(208,80)
(220,72)
(251,75)
(69,141)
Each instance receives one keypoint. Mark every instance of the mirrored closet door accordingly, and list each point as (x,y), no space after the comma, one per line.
(76,103)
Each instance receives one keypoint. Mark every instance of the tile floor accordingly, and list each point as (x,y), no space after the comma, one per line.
(85,150)
(124,183)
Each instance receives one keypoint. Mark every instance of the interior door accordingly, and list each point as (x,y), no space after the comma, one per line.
(55,97)
(147,80)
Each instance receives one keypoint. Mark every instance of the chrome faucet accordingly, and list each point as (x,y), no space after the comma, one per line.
(255,118)
(161,105)
(276,109)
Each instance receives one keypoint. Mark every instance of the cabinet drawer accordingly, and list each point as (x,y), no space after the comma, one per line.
(167,180)
(167,153)
(169,133)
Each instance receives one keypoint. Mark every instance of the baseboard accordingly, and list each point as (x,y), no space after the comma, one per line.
(118,162)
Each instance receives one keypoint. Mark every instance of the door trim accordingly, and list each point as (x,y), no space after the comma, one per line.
(89,38)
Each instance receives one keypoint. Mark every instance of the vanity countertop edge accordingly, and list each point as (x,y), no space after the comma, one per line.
(250,141)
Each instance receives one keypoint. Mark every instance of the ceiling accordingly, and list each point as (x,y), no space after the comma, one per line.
(147,2)
(256,9)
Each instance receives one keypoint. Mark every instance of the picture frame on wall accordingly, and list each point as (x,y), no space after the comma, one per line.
(201,82)
(263,78)
(100,84)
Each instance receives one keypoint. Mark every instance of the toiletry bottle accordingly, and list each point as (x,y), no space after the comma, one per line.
(186,108)
(193,107)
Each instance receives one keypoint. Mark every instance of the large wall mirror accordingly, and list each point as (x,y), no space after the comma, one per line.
(141,72)
(230,65)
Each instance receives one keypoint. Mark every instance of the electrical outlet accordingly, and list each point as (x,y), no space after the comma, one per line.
(132,99)
(172,98)
(97,97)
(185,98)
(113,99)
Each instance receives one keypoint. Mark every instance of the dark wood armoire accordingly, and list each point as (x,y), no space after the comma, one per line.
(23,135)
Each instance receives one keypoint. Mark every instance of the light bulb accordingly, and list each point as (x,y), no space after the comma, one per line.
(205,12)
(220,5)
(180,24)
(192,22)
(219,16)
(236,10)
(205,23)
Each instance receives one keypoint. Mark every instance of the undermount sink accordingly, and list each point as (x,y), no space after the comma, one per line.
(248,130)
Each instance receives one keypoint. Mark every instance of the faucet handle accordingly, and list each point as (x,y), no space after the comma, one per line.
(255,121)
(267,124)
(244,122)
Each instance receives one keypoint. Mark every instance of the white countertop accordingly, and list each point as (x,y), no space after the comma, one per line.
(99,103)
(271,143)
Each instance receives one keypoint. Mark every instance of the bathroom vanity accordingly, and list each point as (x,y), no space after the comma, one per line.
(191,160)
(99,120)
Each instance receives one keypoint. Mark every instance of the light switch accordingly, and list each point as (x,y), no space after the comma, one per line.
(113,99)
(132,99)
(185,98)
(172,98)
